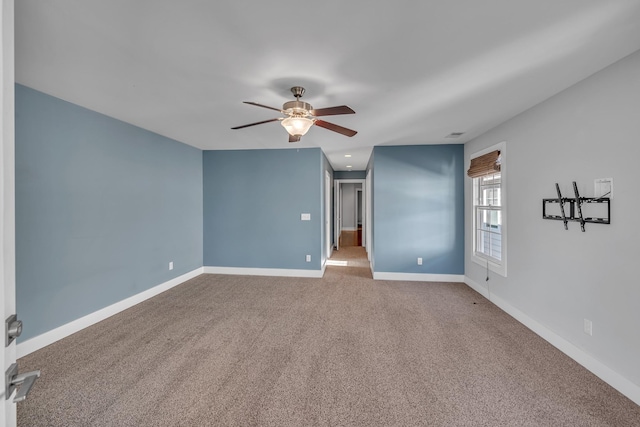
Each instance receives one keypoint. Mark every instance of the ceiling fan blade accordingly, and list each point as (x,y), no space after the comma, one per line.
(294,138)
(263,106)
(332,111)
(256,123)
(335,128)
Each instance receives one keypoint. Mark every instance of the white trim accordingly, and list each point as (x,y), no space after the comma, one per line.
(351,181)
(367,224)
(349,228)
(599,369)
(8,413)
(324,265)
(355,212)
(282,272)
(418,277)
(499,268)
(338,209)
(327,216)
(47,338)
(337,213)
(478,288)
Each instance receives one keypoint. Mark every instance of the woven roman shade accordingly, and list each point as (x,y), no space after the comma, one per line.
(484,165)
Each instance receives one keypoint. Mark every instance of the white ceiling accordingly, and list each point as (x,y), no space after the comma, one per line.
(414,71)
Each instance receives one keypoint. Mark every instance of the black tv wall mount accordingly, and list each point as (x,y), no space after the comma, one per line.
(576,205)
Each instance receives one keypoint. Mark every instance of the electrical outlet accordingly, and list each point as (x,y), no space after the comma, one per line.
(308,258)
(419,261)
(588,327)
(171,265)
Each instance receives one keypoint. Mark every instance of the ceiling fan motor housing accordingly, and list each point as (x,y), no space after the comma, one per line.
(297,108)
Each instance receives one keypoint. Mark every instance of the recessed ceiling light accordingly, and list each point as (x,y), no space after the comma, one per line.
(347,155)
(349,166)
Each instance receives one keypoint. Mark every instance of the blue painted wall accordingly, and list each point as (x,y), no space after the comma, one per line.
(350,174)
(252,205)
(101,208)
(418,208)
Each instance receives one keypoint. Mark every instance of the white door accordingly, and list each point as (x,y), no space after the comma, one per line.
(21,382)
(7,212)
(359,217)
(327,213)
(337,212)
(364,216)
(367,215)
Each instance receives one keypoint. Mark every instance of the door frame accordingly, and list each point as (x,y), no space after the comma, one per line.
(337,213)
(367,235)
(338,209)
(327,215)
(360,205)
(7,196)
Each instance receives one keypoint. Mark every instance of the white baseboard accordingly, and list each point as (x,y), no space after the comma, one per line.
(419,277)
(349,228)
(476,287)
(282,272)
(47,338)
(599,369)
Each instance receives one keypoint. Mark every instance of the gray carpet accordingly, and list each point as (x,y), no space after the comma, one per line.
(339,351)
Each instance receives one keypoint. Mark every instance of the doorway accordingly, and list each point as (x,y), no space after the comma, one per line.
(359,208)
(350,213)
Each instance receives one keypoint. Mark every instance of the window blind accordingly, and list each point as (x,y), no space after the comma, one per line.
(484,165)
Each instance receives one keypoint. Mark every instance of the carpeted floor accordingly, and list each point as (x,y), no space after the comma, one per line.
(339,351)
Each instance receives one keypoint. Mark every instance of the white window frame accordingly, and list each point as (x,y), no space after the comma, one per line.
(497,266)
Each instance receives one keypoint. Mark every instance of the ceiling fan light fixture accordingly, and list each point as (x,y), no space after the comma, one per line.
(300,116)
(297,126)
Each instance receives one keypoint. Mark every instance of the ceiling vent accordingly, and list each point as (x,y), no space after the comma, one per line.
(455,135)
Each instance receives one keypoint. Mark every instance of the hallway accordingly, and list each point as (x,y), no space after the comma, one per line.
(349,261)
(351,238)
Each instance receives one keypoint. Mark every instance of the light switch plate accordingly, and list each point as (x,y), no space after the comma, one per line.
(603,187)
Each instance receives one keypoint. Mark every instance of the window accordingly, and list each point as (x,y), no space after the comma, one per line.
(488,216)
(489,208)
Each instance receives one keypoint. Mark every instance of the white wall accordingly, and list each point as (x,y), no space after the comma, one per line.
(557,278)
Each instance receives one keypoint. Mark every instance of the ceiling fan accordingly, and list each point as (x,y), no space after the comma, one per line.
(301,116)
